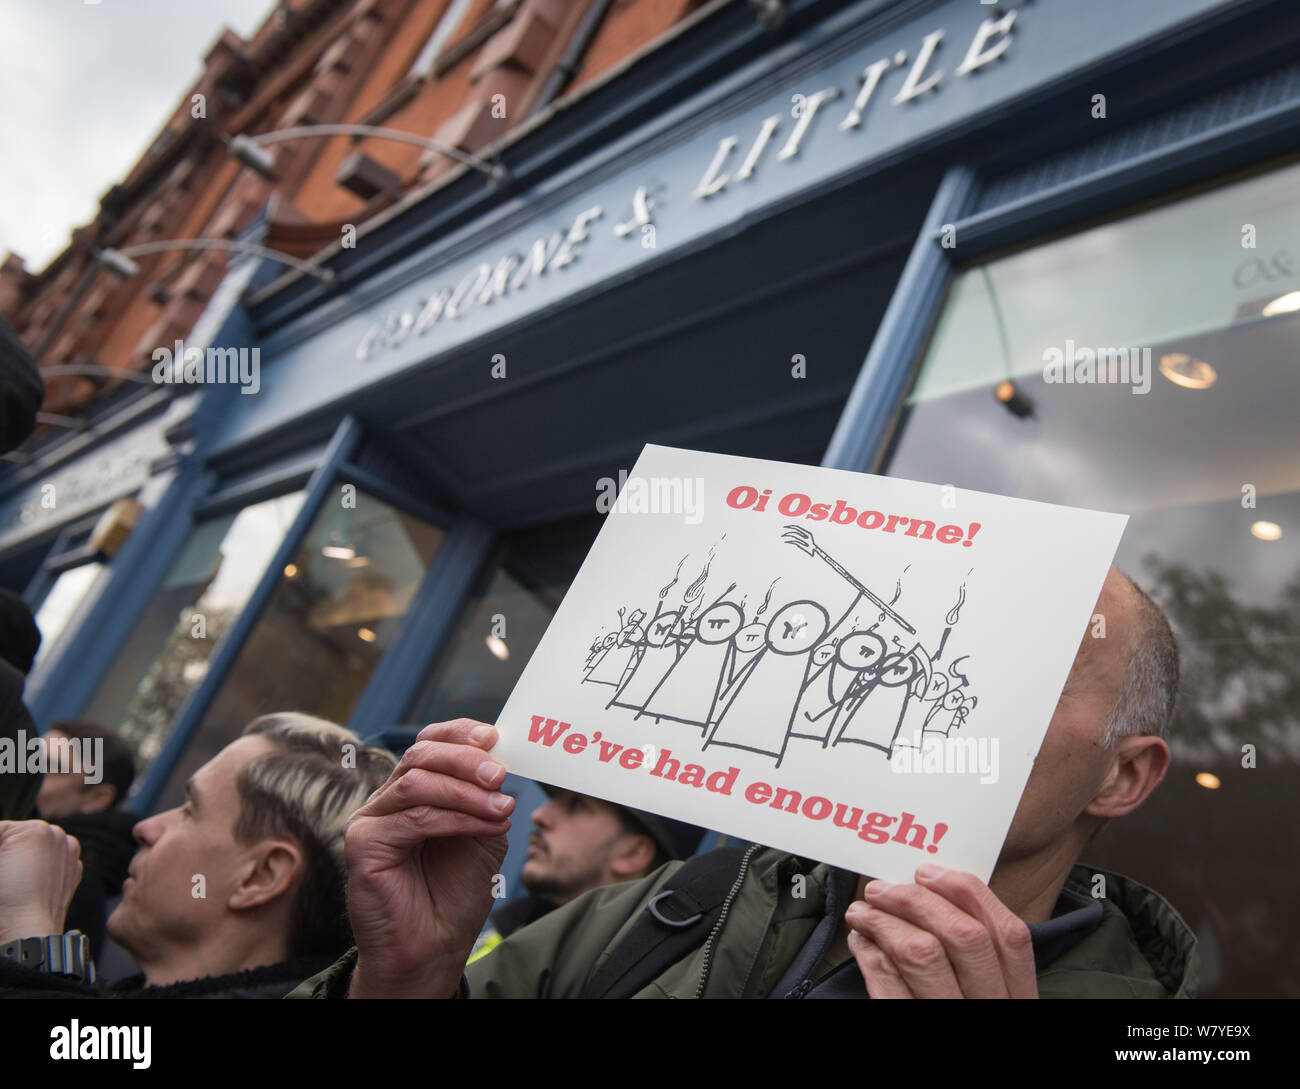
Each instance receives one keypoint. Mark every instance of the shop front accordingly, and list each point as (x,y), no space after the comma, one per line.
(998,247)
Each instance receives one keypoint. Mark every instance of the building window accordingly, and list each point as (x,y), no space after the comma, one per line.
(336,609)
(168,651)
(503,621)
(68,591)
(447,26)
(1148,366)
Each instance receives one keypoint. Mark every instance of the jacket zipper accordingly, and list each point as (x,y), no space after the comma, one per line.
(801,990)
(722,918)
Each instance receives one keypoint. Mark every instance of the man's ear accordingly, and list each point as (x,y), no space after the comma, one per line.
(98,798)
(632,856)
(271,871)
(1140,763)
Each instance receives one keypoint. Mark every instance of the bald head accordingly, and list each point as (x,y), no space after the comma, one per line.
(1146,703)
(1104,751)
(1129,663)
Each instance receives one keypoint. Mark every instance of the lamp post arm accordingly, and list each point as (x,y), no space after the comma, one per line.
(94,370)
(495,172)
(236,246)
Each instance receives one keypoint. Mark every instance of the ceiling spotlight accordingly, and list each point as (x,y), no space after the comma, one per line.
(338,552)
(1208,780)
(365,635)
(1014,399)
(1266,531)
(1283,304)
(290,570)
(498,647)
(1183,370)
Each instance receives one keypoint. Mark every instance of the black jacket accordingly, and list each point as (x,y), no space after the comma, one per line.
(268,981)
(18,787)
(21,389)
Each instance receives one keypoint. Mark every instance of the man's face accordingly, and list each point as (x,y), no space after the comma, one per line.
(66,793)
(1072,764)
(573,840)
(161,907)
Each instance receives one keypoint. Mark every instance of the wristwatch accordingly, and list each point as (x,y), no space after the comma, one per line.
(66,954)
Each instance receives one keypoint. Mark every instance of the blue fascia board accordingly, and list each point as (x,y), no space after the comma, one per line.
(673,154)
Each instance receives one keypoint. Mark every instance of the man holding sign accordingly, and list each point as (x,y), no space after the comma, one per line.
(423,851)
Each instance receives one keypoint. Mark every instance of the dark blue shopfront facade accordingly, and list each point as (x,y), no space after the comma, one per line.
(741,244)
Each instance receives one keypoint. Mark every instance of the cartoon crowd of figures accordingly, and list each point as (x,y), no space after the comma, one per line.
(863,678)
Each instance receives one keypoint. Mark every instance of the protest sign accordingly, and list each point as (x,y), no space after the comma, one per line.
(853,668)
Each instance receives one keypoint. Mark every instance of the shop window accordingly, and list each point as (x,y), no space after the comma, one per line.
(1149,366)
(66,594)
(336,609)
(169,648)
(503,621)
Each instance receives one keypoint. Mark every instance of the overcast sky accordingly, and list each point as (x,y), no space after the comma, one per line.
(85,85)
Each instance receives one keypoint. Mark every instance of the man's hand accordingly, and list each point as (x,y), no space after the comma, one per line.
(40,869)
(947,936)
(421,855)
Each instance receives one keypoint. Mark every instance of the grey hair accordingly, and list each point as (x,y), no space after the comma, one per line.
(1146,703)
(317,777)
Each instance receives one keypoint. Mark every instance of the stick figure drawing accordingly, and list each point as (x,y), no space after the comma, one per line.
(855,676)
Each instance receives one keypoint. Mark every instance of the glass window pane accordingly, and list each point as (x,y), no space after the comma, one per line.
(1177,271)
(336,610)
(62,601)
(504,621)
(168,651)
(1206,461)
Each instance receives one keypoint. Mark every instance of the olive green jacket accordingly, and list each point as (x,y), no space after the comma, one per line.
(1140,949)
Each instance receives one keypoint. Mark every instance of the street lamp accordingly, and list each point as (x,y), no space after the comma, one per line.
(251,150)
(120,264)
(94,370)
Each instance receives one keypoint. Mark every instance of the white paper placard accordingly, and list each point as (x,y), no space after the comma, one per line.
(853,668)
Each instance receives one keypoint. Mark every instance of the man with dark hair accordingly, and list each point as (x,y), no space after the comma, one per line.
(237,893)
(735,924)
(20,638)
(70,789)
(581,843)
(89,770)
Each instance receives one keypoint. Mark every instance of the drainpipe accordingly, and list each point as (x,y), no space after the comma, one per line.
(567,66)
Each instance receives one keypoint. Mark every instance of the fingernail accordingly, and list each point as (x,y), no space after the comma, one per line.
(856,909)
(480,733)
(489,771)
(502,802)
(929,873)
(875,888)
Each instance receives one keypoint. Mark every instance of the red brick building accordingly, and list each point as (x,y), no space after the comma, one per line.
(464,72)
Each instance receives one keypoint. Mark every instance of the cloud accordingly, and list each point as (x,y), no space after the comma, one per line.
(86,87)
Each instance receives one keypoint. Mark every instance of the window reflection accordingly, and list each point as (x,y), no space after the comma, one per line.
(203,591)
(504,621)
(62,601)
(337,608)
(1207,465)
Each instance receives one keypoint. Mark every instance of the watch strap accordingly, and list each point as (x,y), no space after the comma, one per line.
(65,954)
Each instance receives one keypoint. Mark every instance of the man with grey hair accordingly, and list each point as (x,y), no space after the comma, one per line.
(239,892)
(733,924)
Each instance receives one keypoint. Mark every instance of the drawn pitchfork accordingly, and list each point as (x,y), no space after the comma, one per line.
(803,540)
